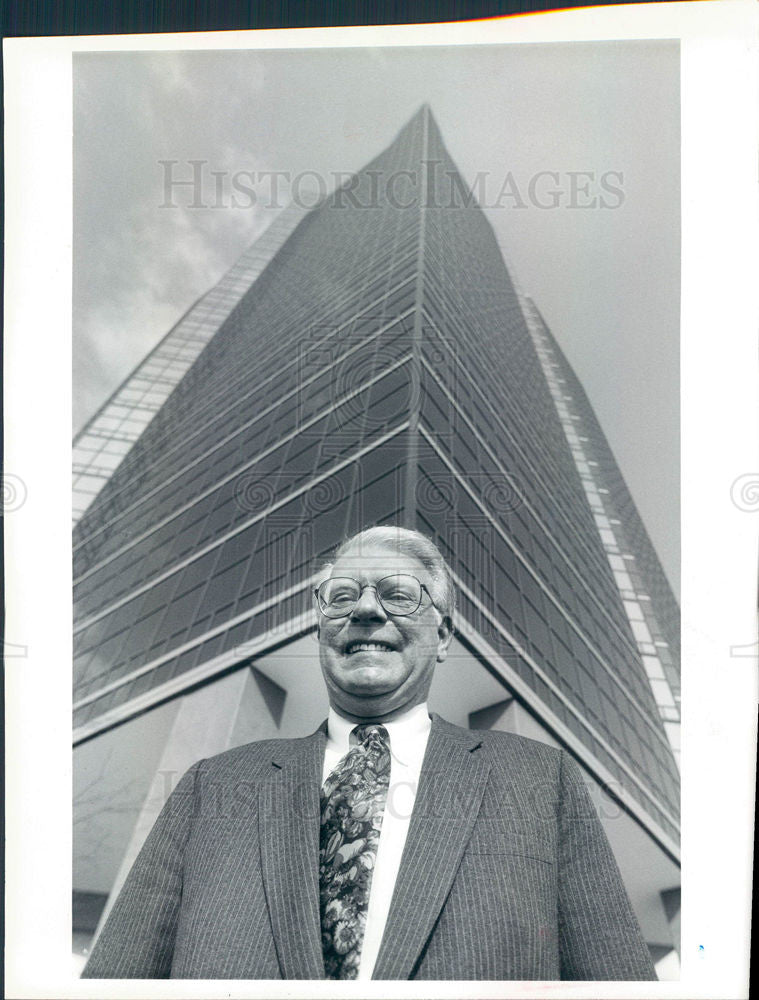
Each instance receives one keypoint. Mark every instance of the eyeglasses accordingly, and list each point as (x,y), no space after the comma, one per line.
(400,594)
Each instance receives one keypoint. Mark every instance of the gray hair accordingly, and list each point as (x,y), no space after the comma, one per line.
(411,543)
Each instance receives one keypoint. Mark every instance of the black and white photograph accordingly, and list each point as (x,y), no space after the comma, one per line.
(371,361)
(378,472)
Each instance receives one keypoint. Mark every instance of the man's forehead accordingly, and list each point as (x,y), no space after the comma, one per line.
(373,559)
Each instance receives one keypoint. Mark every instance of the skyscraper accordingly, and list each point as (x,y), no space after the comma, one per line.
(380,369)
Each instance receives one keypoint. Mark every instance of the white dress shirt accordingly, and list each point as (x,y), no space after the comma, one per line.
(408,734)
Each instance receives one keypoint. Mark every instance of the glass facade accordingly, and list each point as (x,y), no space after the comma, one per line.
(646,594)
(108,436)
(380,370)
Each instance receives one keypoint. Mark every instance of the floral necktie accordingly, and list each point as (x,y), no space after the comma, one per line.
(352,803)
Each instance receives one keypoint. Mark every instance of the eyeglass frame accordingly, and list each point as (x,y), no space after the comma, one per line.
(423,589)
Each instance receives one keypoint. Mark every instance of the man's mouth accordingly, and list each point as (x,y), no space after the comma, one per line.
(361,646)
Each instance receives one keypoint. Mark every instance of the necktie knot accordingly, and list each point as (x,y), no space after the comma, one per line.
(370,733)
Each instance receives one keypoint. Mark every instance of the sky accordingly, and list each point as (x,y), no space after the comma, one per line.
(572,148)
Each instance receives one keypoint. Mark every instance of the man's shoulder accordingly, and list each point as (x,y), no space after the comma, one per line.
(508,748)
(259,755)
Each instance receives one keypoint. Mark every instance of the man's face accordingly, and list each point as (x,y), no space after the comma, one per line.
(395,672)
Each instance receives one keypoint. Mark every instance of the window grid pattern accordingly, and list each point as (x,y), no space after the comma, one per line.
(633,562)
(551,590)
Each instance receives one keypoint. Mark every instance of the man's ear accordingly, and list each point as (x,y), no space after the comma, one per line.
(445,635)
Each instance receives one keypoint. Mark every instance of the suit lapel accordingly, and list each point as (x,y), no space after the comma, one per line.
(289,838)
(451,786)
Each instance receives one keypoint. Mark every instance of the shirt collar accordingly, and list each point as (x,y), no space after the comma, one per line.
(407,732)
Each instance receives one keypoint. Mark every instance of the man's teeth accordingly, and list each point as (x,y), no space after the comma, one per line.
(368,647)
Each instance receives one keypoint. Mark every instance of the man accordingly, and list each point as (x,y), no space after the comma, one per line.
(387,845)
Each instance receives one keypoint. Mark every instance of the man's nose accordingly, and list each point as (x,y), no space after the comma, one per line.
(368,606)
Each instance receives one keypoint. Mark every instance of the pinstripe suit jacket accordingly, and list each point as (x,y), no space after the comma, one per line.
(506,874)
